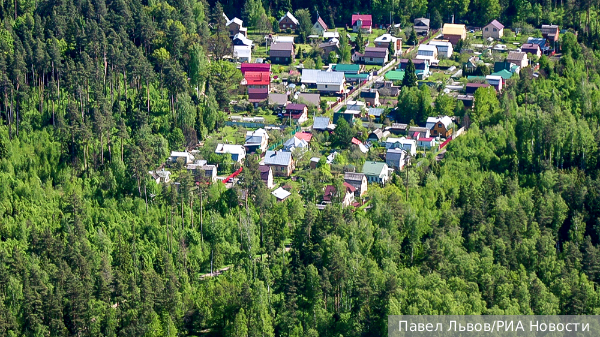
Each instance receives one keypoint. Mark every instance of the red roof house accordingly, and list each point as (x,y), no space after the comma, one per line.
(304,135)
(362,22)
(255,67)
(257,78)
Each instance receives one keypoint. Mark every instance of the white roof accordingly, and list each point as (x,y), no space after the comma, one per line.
(289,15)
(431,121)
(258,132)
(440,43)
(242,52)
(295,142)
(230,148)
(309,76)
(280,38)
(386,38)
(330,77)
(355,105)
(401,140)
(246,41)
(493,78)
(329,35)
(281,194)
(235,20)
(181,154)
(427,47)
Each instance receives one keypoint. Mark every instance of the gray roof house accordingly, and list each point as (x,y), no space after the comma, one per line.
(321,123)
(309,99)
(282,52)
(280,161)
(278,100)
(395,158)
(358,180)
(421,26)
(372,55)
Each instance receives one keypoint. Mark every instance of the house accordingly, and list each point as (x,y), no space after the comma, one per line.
(409,145)
(319,27)
(355,107)
(376,172)
(282,39)
(470,88)
(421,26)
(307,136)
(426,143)
(330,82)
(362,22)
(494,29)
(209,172)
(347,69)
(297,112)
(375,113)
(454,32)
(295,143)
(309,99)
(495,81)
(240,39)
(187,157)
(309,77)
(372,55)
(385,40)
(161,176)
(439,126)
(472,63)
(331,35)
(288,21)
(398,128)
(281,162)
(371,97)
(422,65)
(518,58)
(320,123)
(314,162)
(532,48)
(444,48)
(281,194)
(550,33)
(242,53)
(387,88)
(505,74)
(358,181)
(360,145)
(282,52)
(429,53)
(238,152)
(330,193)
(347,115)
(395,158)
(236,26)
(256,140)
(416,132)
(278,100)
(467,100)
(255,67)
(395,76)
(266,175)
(327,47)
(376,135)
(258,85)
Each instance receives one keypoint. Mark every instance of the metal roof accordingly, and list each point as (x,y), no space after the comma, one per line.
(281,194)
(496,24)
(374,168)
(280,158)
(320,123)
(292,17)
(353,176)
(309,76)
(330,77)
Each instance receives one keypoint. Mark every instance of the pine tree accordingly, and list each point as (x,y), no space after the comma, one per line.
(410,76)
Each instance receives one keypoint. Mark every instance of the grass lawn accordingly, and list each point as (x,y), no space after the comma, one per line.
(231,135)
(438,76)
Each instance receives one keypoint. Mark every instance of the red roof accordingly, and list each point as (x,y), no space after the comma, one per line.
(356,141)
(304,135)
(329,191)
(429,139)
(367,20)
(295,107)
(350,187)
(257,78)
(322,23)
(256,67)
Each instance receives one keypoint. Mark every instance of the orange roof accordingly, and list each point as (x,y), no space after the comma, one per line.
(257,78)
(304,135)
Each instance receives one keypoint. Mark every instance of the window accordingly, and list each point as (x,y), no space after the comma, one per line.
(495,30)
(440,125)
(284,25)
(486,29)
(371,59)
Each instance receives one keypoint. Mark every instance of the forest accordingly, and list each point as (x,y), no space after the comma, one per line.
(94,94)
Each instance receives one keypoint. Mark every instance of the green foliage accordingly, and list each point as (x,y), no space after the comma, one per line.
(410,75)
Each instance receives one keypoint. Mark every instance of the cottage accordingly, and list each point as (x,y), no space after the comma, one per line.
(160,176)
(330,193)
(371,97)
(421,67)
(281,162)
(426,143)
(550,33)
(266,175)
(281,194)
(472,64)
(187,157)
(454,32)
(347,69)
(256,140)
(295,143)
(288,21)
(282,52)
(416,132)
(495,81)
(532,48)
(362,22)
(375,135)
(385,40)
(255,67)
(439,126)
(297,112)
(467,100)
(398,128)
(518,58)
(330,82)
(356,142)
(242,53)
(314,162)
(375,113)
(347,115)
(238,152)
(358,181)
(470,88)
(387,88)
(372,55)
(376,172)
(409,145)
(444,48)
(331,35)
(494,29)
(241,40)
(309,77)
(278,100)
(327,47)
(429,53)
(309,99)
(395,158)
(236,26)
(355,107)
(202,169)
(320,123)
(258,85)
(421,26)
(319,27)
(395,76)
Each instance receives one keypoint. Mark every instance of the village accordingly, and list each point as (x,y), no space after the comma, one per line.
(305,109)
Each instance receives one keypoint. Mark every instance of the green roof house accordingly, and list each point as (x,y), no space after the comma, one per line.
(376,172)
(505,74)
(394,75)
(347,68)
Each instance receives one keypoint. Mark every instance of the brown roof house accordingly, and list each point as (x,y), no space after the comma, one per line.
(494,29)
(358,181)
(297,112)
(518,58)
(333,45)
(330,194)
(281,162)
(371,97)
(532,48)
(421,26)
(372,55)
(288,21)
(550,32)
(282,52)
(266,175)
(319,27)
(454,32)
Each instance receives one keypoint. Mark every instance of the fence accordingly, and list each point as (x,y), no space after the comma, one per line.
(251,125)
(291,134)
(233,175)
(445,143)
